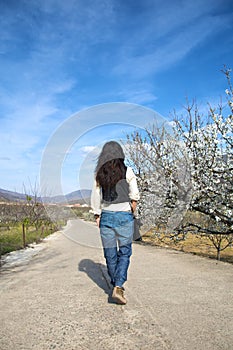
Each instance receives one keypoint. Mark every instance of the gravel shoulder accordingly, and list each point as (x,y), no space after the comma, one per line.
(59,299)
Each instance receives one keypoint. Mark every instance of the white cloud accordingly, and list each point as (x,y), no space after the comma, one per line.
(138,96)
(87,149)
(162,56)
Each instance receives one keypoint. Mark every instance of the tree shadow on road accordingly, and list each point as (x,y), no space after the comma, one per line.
(96,272)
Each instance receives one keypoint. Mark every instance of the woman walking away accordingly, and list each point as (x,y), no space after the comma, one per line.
(114,199)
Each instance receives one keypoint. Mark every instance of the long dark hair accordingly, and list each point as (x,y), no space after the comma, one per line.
(110,167)
(111,173)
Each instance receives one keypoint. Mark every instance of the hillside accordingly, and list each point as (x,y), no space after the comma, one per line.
(10,196)
(80,196)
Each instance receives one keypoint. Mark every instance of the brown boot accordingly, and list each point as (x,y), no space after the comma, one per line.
(118,295)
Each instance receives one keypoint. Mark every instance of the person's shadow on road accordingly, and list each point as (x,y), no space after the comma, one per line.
(97,272)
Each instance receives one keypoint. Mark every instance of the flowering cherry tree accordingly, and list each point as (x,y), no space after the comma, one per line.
(162,166)
(189,168)
(209,142)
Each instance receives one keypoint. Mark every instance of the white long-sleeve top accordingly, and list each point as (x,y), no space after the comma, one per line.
(96,196)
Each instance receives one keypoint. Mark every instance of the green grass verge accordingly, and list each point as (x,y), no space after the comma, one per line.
(12,239)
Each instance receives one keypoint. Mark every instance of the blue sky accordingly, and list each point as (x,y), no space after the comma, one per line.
(60,57)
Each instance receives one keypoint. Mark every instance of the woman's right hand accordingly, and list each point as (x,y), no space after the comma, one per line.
(98,221)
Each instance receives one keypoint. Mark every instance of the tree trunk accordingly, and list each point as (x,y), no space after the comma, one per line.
(218,254)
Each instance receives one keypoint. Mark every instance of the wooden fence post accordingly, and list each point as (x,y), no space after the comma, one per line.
(24,236)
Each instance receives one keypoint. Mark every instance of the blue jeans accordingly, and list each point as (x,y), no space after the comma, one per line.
(116,230)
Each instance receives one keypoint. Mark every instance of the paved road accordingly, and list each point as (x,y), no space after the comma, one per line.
(60,299)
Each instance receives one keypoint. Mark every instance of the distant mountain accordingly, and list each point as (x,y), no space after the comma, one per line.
(10,196)
(75,196)
(80,196)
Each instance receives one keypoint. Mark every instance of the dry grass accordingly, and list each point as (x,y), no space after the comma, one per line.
(193,243)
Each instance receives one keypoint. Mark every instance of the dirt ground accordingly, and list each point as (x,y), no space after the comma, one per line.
(60,298)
